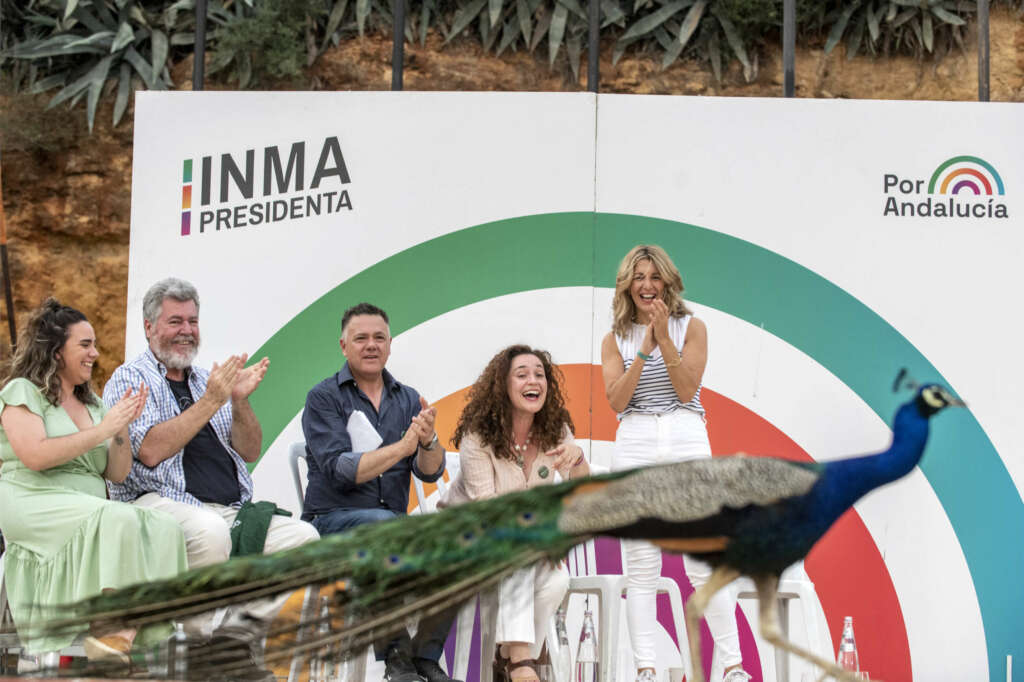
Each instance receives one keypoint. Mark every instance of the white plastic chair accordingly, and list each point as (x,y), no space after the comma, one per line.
(308,614)
(424,505)
(794,584)
(609,590)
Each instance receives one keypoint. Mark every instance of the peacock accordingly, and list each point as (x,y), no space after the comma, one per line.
(751,516)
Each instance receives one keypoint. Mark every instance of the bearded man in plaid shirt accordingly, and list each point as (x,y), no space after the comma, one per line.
(191,445)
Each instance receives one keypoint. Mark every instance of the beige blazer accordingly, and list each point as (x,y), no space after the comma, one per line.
(482,475)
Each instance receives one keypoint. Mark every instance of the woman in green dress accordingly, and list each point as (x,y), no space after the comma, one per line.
(65,540)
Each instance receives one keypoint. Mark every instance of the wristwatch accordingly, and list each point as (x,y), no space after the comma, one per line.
(432,444)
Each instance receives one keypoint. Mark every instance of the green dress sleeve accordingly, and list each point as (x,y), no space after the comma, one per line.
(21,391)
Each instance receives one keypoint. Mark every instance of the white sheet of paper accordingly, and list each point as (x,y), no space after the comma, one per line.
(362,434)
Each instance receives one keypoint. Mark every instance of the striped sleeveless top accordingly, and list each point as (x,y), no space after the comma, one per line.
(654,393)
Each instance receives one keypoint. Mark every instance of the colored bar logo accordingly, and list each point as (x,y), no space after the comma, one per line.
(186,198)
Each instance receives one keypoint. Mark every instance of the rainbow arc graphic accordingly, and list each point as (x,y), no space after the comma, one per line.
(968,175)
(828,325)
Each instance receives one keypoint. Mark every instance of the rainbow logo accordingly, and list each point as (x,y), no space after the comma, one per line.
(186,198)
(966,174)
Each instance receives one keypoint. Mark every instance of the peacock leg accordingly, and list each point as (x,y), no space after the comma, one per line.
(695,607)
(768,598)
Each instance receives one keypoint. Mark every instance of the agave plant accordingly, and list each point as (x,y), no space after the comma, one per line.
(907,26)
(673,23)
(89,47)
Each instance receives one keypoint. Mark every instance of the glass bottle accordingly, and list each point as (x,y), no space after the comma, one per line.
(586,653)
(847,658)
(561,657)
(322,665)
(178,653)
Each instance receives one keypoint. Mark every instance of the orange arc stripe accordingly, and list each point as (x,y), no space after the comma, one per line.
(965,171)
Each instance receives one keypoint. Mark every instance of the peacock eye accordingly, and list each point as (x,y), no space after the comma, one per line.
(467,538)
(394,561)
(527,518)
(933,396)
(361,554)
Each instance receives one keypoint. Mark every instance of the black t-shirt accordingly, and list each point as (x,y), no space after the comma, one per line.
(210,474)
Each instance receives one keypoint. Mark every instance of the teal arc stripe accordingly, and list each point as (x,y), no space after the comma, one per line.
(965,159)
(722,272)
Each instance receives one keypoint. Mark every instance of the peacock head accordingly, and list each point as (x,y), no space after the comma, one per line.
(932,397)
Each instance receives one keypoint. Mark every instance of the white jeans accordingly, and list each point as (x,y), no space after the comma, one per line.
(527,600)
(645,440)
(208,541)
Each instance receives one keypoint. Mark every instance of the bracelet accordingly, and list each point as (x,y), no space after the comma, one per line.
(643,356)
(670,365)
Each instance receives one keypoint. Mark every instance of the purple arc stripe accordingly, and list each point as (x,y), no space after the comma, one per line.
(969,184)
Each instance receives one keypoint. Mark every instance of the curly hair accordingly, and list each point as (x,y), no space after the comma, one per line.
(623,308)
(488,411)
(39,342)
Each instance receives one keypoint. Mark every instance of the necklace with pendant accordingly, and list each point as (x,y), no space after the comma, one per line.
(520,450)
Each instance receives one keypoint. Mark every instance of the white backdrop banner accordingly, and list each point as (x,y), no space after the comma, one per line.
(826,244)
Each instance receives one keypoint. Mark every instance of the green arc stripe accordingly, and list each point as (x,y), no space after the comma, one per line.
(725,273)
(965,159)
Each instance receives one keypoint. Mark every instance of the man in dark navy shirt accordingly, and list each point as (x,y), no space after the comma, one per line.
(366,433)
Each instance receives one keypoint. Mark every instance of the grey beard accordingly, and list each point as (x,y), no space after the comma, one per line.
(176,361)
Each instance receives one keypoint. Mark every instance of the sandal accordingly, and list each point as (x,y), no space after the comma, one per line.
(528,663)
(499,667)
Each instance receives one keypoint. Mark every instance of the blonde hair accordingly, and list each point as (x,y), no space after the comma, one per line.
(623,308)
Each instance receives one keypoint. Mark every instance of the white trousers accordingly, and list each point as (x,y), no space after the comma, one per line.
(207,532)
(527,600)
(645,440)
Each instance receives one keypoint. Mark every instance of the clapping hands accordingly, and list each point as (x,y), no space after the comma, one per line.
(249,378)
(657,329)
(125,411)
(424,422)
(232,379)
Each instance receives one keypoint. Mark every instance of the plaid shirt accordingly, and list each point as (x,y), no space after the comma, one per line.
(168,477)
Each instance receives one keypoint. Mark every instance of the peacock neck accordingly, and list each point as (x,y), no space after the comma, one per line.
(853,478)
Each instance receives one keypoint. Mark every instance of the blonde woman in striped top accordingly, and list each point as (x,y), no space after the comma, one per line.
(653,364)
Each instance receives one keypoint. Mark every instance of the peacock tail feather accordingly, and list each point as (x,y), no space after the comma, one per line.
(382,575)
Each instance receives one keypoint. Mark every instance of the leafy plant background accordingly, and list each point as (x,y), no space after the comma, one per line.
(92,49)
